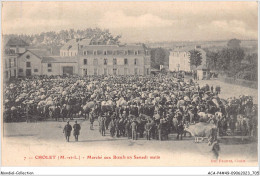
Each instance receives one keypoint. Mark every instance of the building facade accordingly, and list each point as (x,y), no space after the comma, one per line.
(14,47)
(114,60)
(79,57)
(179,59)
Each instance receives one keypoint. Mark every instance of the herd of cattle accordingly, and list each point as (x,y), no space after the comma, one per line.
(160,104)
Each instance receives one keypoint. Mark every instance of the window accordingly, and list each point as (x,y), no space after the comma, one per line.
(14,62)
(105,61)
(136,63)
(125,61)
(95,61)
(114,71)
(95,52)
(85,61)
(36,70)
(136,52)
(20,70)
(105,52)
(49,70)
(85,72)
(49,65)
(14,73)
(28,57)
(28,64)
(85,53)
(126,52)
(114,61)
(95,71)
(10,63)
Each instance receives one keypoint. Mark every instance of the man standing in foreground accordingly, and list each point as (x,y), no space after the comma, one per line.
(67,130)
(134,130)
(76,128)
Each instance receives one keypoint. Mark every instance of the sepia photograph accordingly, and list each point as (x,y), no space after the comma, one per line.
(129,83)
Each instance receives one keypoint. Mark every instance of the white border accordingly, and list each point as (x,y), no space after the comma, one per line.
(128,170)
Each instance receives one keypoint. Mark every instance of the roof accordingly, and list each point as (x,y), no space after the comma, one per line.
(40,52)
(58,59)
(73,44)
(113,47)
(202,67)
(16,42)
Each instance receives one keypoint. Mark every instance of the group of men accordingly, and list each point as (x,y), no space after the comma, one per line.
(68,128)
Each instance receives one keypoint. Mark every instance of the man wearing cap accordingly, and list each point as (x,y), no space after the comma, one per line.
(76,128)
(67,130)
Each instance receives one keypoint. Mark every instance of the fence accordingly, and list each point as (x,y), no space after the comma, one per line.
(241,82)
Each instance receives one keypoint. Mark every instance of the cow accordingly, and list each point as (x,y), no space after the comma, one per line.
(201,130)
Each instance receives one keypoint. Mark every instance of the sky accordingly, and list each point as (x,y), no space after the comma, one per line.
(137,21)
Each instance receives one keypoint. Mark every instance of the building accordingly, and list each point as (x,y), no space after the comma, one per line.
(80,57)
(114,60)
(71,48)
(179,59)
(202,72)
(30,63)
(56,65)
(14,47)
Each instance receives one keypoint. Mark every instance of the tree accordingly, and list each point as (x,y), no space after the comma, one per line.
(233,43)
(212,59)
(158,57)
(195,58)
(251,67)
(229,60)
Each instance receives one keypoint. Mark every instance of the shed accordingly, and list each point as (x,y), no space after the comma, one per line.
(203,72)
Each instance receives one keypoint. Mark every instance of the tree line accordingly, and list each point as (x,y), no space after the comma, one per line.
(98,36)
(232,61)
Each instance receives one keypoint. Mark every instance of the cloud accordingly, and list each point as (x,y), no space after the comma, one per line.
(137,21)
(234,26)
(118,19)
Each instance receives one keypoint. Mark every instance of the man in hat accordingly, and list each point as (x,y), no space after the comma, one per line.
(91,119)
(134,130)
(148,128)
(67,130)
(76,128)
(103,125)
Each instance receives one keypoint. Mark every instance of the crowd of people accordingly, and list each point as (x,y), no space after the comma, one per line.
(131,106)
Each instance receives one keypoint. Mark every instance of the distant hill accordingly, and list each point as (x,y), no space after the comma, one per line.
(250,46)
